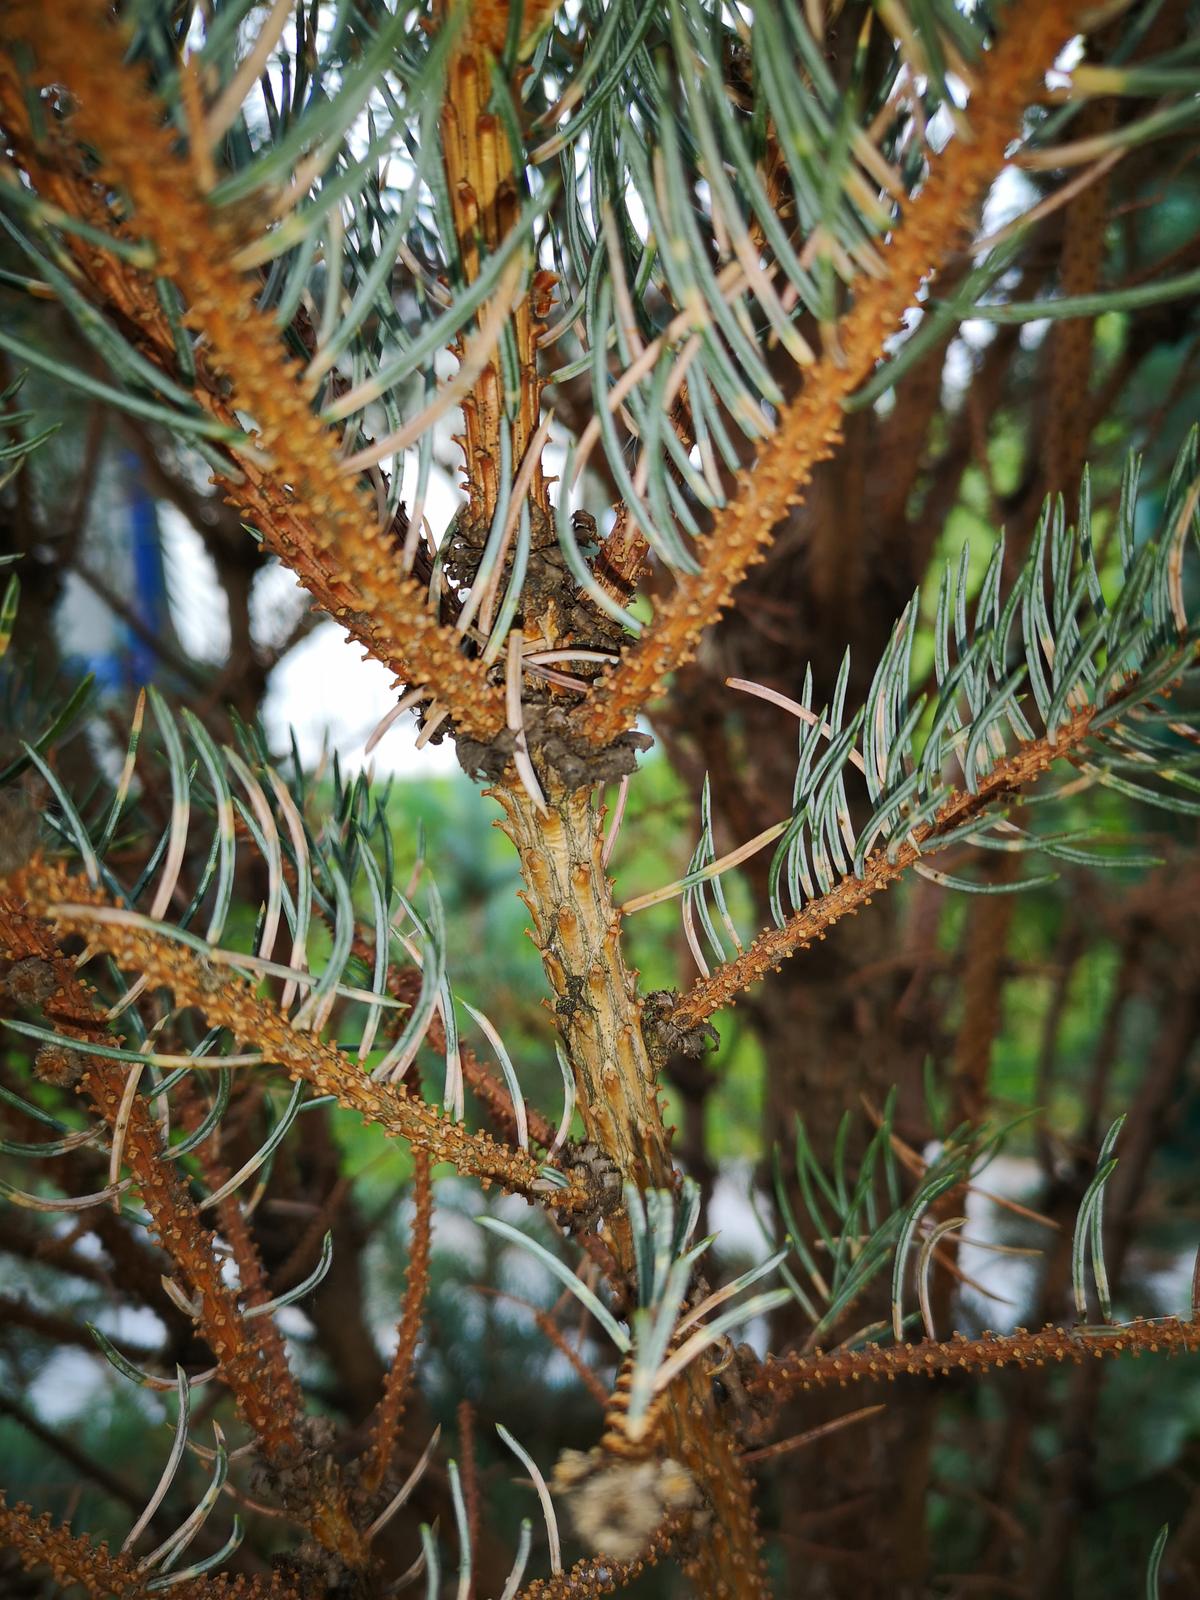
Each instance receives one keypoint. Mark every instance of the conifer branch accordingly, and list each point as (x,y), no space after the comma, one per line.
(484,192)
(780,1376)
(251,1355)
(250,1352)
(71,1557)
(1098,677)
(928,230)
(231,1218)
(594,1576)
(53,166)
(74,1560)
(271,232)
(229,1001)
(385,1430)
(600,1017)
(492,1094)
(349,564)
(882,868)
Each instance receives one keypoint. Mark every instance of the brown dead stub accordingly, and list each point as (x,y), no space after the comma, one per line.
(598,1174)
(29,982)
(561,757)
(62,1068)
(749,1411)
(667,1038)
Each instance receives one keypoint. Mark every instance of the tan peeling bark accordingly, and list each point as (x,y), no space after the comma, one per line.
(486,200)
(576,927)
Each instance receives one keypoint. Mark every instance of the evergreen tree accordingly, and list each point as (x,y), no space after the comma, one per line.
(694,291)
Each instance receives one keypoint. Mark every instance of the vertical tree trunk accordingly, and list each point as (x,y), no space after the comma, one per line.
(576,927)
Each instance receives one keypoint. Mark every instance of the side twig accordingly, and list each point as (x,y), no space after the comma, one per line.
(780,1376)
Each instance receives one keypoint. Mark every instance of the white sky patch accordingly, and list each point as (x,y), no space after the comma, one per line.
(326,692)
(957,371)
(194,593)
(731,1215)
(323,689)
(67,1383)
(1068,58)
(1011,196)
(940,129)
(1012,1278)
(636,212)
(276,602)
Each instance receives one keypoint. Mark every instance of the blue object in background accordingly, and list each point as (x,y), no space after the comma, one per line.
(149,596)
(126,519)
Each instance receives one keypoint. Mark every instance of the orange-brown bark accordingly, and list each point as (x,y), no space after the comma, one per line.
(249,1353)
(991,1352)
(386,1426)
(75,1561)
(231,1002)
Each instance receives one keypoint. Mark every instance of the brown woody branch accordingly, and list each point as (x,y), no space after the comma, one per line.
(74,1560)
(600,1576)
(136,1266)
(70,1557)
(231,1002)
(577,929)
(404,983)
(232,1221)
(882,868)
(385,1429)
(486,202)
(250,1354)
(780,1376)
